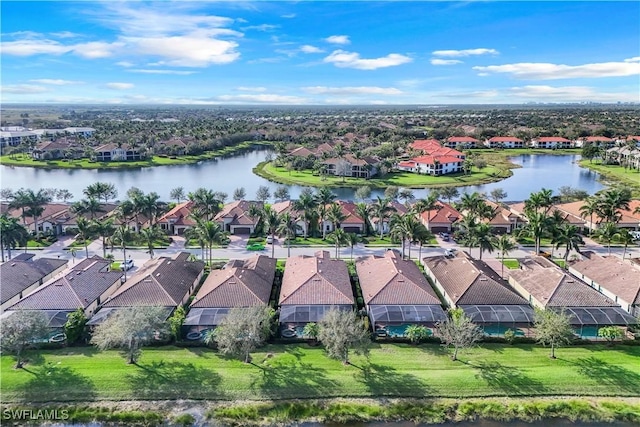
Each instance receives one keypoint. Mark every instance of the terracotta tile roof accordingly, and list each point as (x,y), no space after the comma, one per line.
(78,288)
(301,152)
(162,282)
(618,277)
(285,206)
(501,216)
(597,139)
(553,287)
(112,146)
(446,214)
(389,280)
(505,139)
(553,139)
(446,151)
(316,280)
(627,218)
(407,164)
(430,160)
(238,211)
(180,212)
(241,283)
(17,274)
(469,281)
(462,139)
(425,144)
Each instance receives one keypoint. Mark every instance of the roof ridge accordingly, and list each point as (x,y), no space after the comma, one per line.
(68,283)
(555,289)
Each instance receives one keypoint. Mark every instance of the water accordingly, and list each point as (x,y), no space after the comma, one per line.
(226,174)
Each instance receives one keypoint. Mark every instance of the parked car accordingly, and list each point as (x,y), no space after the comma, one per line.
(270,240)
(544,254)
(127,265)
(451,252)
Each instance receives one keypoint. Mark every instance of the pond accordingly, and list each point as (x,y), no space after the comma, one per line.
(226,174)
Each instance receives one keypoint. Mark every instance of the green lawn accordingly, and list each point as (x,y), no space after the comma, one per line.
(511,264)
(560,262)
(38,244)
(300,371)
(616,174)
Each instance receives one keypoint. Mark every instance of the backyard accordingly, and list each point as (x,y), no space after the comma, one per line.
(301,371)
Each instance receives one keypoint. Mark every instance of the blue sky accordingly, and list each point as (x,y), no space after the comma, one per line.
(323,53)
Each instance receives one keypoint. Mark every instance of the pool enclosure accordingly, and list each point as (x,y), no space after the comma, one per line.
(392,320)
(495,320)
(586,321)
(293,318)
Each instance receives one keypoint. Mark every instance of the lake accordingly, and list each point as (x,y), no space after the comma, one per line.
(226,174)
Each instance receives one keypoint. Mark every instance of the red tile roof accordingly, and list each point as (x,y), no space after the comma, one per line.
(461,139)
(504,139)
(425,144)
(553,139)
(446,214)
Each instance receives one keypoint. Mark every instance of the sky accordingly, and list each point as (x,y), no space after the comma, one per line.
(319,52)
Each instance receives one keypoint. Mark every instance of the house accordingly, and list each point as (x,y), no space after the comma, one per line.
(624,155)
(431,165)
(175,146)
(617,279)
(85,132)
(398,207)
(311,286)
(302,152)
(396,294)
(425,145)
(551,142)
(462,141)
(48,219)
(504,142)
(348,165)
(13,138)
(178,219)
(161,282)
(547,286)
(85,285)
(628,219)
(236,219)
(287,206)
(115,153)
(51,150)
(503,220)
(472,285)
(598,141)
(23,274)
(240,283)
(441,219)
(352,222)
(517,209)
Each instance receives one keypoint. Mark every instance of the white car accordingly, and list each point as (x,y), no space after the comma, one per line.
(127,265)
(270,240)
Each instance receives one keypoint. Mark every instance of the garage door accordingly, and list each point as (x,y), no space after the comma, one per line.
(352,230)
(242,230)
(439,230)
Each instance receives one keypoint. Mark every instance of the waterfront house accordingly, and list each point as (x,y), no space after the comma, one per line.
(441,219)
(287,206)
(349,166)
(178,219)
(23,274)
(472,285)
(504,142)
(398,207)
(396,294)
(239,284)
(352,222)
(551,142)
(117,153)
(431,165)
(617,279)
(235,218)
(598,141)
(462,141)
(628,219)
(13,138)
(503,220)
(545,285)
(311,286)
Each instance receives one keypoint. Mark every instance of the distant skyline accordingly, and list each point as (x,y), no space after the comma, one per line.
(320,52)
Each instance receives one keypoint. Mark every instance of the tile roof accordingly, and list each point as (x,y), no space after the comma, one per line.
(179,212)
(553,139)
(445,214)
(18,274)
(618,277)
(425,144)
(301,152)
(461,139)
(78,288)
(430,160)
(316,280)
(241,283)
(160,282)
(553,287)
(504,139)
(238,211)
(627,216)
(469,281)
(388,280)
(597,139)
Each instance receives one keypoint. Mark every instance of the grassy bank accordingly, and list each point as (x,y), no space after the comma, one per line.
(300,371)
(615,174)
(25,160)
(281,175)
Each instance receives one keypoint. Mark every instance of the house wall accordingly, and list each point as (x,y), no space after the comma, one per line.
(436,282)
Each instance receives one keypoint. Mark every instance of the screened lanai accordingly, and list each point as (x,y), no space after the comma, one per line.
(497,319)
(392,320)
(586,321)
(293,318)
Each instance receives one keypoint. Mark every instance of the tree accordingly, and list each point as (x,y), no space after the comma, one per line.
(449,193)
(271,221)
(504,244)
(343,169)
(85,232)
(323,198)
(12,234)
(121,237)
(416,333)
(626,238)
(21,330)
(134,192)
(607,233)
(176,321)
(104,229)
(362,210)
(20,200)
(89,206)
(64,195)
(589,208)
(306,205)
(130,328)
(150,206)
(552,328)
(391,192)
(537,226)
(263,193)
(341,331)
(177,194)
(208,233)
(381,209)
(74,327)
(311,331)
(243,330)
(484,238)
(205,204)
(288,228)
(569,236)
(339,238)
(498,195)
(363,193)
(406,194)
(610,333)
(611,202)
(239,193)
(149,236)
(35,203)
(281,193)
(101,190)
(458,331)
(352,239)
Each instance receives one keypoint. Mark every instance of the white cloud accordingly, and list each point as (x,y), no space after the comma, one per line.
(546,71)
(28,47)
(23,89)
(93,50)
(343,59)
(65,34)
(262,99)
(56,82)
(544,93)
(119,86)
(465,52)
(307,48)
(357,90)
(173,72)
(634,59)
(288,16)
(125,64)
(437,61)
(251,89)
(338,39)
(262,27)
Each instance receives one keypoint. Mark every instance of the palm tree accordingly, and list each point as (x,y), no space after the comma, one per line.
(397,229)
(20,200)
(205,203)
(471,203)
(589,207)
(362,210)
(626,238)
(104,229)
(323,198)
(537,226)
(448,193)
(427,204)
(382,210)
(149,236)
(288,228)
(607,233)
(101,190)
(271,220)
(36,202)
(504,244)
(89,206)
(569,236)
(122,236)
(335,215)
(85,232)
(484,238)
(339,237)
(306,205)
(150,206)
(209,233)
(422,236)
(352,240)
(468,224)
(12,234)
(611,202)
(541,200)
